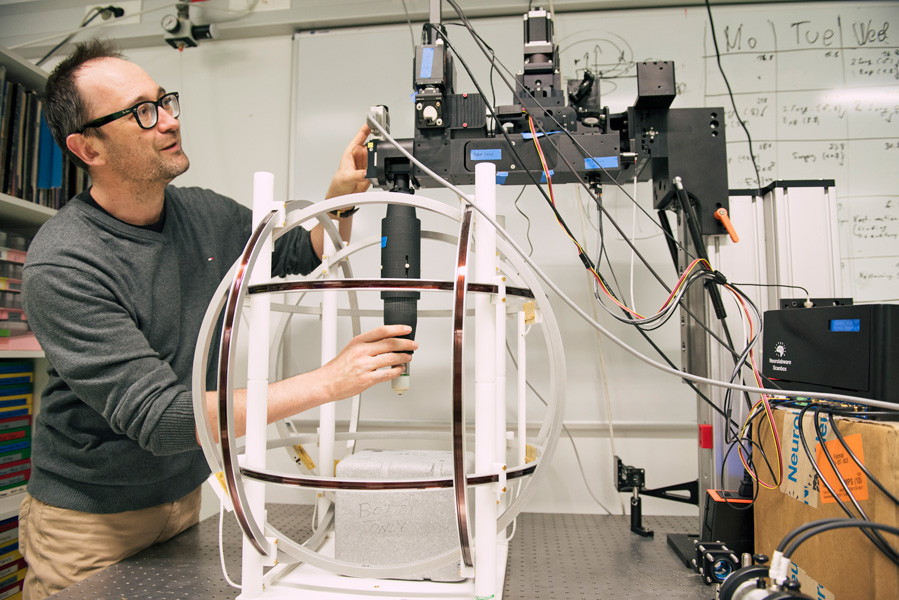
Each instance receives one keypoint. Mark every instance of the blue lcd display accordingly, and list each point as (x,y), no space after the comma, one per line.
(487,154)
(845,324)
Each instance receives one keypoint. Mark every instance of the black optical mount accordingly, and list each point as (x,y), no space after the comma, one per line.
(580,139)
(633,479)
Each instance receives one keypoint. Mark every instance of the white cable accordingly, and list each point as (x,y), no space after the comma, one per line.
(512,533)
(314,516)
(580,312)
(584,207)
(633,247)
(222,544)
(604,374)
(577,454)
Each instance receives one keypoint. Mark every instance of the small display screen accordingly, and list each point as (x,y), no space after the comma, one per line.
(487,154)
(845,324)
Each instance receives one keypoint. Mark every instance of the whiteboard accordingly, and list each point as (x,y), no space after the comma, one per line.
(817,85)
(784,91)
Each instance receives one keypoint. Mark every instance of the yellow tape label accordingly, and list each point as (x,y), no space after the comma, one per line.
(303,457)
(220,476)
(530,312)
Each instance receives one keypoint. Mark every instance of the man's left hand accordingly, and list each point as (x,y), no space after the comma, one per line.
(350,175)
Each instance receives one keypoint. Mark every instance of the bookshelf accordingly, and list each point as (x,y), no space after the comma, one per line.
(25,218)
(18,215)
(9,504)
(19,69)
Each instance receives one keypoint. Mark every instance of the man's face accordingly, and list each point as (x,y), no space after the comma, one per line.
(134,154)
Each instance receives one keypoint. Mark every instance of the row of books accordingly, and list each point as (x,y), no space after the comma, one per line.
(16,411)
(12,262)
(32,166)
(12,565)
(16,393)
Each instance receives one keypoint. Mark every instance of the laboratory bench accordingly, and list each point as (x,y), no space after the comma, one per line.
(551,556)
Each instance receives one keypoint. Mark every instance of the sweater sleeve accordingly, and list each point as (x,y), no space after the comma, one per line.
(294,254)
(93,343)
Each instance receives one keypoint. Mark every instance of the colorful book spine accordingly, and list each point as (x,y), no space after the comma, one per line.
(14,378)
(15,423)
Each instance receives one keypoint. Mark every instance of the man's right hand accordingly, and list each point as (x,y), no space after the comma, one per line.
(371,357)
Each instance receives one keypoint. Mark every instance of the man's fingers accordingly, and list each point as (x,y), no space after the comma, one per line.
(391,359)
(383,332)
(389,345)
(382,375)
(359,138)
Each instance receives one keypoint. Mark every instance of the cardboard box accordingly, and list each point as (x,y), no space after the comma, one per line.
(841,564)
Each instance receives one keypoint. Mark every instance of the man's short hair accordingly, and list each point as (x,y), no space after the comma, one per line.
(64,108)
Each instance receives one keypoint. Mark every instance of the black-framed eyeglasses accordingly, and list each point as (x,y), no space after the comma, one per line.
(145,113)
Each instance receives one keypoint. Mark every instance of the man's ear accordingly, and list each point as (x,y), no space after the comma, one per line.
(84,148)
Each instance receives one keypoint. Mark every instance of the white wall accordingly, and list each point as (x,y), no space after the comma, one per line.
(236,115)
(235,99)
(236,107)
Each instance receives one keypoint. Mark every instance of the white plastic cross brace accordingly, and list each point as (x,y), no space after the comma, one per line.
(500,469)
(464,571)
(272,559)
(500,281)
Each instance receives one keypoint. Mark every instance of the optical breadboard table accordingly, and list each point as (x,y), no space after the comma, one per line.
(557,556)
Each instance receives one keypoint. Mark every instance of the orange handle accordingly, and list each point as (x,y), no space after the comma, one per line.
(721,215)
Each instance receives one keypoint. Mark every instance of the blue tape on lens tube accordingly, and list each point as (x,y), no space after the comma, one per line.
(427,63)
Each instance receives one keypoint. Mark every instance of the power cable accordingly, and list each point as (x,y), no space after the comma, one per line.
(528,230)
(485,48)
(733,103)
(861,466)
(97,11)
(411,31)
(584,258)
(876,539)
(376,126)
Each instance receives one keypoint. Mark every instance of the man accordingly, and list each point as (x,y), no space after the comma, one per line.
(115,288)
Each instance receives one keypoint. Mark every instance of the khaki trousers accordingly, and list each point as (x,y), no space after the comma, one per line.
(64,546)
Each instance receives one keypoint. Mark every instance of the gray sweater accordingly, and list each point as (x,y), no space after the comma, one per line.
(117,310)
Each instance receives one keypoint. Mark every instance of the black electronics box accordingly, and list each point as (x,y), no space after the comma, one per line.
(728,519)
(852,349)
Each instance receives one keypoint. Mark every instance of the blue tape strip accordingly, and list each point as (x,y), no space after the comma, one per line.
(427,63)
(543,176)
(606,162)
(501,177)
(383,241)
(529,136)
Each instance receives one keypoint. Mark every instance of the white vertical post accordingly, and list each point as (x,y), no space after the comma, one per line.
(485,385)
(328,411)
(257,384)
(522,389)
(501,374)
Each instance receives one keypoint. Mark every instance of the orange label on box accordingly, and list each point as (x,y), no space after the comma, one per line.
(854,477)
